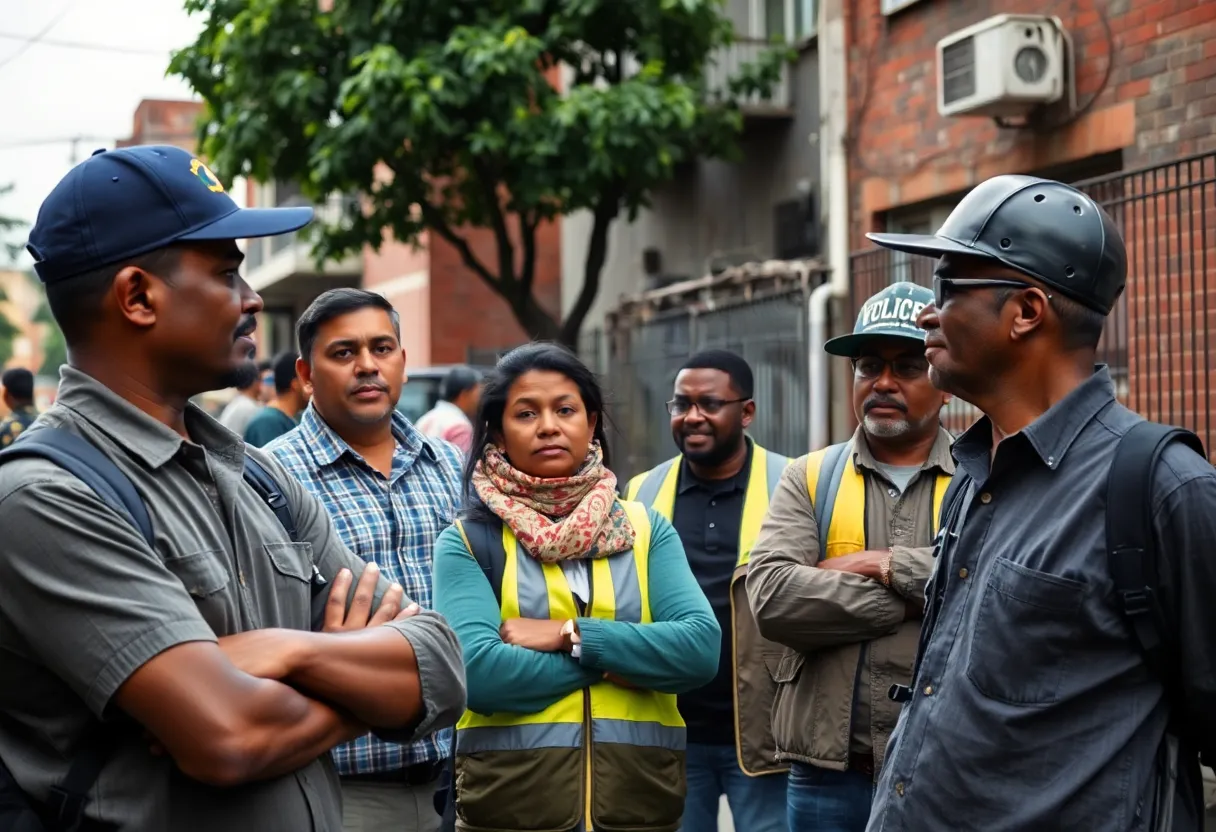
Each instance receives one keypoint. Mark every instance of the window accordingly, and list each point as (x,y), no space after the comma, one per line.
(923,220)
(793,20)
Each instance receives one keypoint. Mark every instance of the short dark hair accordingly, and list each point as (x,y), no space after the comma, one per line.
(19,382)
(333,304)
(76,301)
(284,366)
(539,355)
(1081,326)
(727,362)
(457,381)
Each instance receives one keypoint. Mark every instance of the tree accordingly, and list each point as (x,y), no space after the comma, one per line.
(455,99)
(7,226)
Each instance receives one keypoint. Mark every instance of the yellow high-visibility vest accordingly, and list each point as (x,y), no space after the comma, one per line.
(755,749)
(833,482)
(608,756)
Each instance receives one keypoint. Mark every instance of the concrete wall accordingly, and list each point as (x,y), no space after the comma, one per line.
(711,207)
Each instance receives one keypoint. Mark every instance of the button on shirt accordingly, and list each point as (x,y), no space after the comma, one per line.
(392,522)
(708,515)
(1032,707)
(84,602)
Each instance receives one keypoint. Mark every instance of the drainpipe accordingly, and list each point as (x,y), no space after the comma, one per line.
(834,170)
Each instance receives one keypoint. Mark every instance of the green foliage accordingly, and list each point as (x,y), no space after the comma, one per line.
(7,226)
(54,347)
(454,98)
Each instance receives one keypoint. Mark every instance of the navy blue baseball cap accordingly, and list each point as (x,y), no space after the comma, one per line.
(120,204)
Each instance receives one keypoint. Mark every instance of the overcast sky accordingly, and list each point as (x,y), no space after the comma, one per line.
(51,92)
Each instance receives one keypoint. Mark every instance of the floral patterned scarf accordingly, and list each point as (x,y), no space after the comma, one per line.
(568,518)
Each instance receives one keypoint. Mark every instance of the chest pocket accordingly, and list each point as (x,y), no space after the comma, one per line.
(206,577)
(1019,652)
(292,568)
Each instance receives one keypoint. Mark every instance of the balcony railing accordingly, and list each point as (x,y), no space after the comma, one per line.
(269,260)
(726,64)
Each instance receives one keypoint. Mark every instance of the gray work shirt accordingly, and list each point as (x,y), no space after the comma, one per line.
(1032,707)
(84,602)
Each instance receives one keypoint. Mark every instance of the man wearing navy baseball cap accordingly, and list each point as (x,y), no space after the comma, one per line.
(190,664)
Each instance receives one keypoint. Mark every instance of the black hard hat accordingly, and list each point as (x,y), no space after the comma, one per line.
(1044,229)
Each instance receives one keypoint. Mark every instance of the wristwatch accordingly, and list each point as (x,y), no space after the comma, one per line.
(572,643)
(884,568)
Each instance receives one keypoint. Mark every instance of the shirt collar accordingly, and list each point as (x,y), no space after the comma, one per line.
(328,447)
(152,442)
(689,480)
(1053,433)
(939,455)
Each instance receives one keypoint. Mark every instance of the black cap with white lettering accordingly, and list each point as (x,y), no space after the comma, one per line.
(891,313)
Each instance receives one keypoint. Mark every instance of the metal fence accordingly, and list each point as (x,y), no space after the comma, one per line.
(639,365)
(1157,338)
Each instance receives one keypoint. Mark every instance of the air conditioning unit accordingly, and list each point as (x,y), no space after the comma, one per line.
(1007,65)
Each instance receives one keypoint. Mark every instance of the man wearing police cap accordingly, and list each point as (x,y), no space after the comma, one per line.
(1033,705)
(838,572)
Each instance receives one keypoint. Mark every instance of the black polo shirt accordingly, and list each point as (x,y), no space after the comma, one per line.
(708,515)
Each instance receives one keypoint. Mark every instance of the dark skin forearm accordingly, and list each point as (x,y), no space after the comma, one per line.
(373,673)
(297,731)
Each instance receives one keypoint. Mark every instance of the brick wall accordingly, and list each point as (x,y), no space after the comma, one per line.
(466,313)
(1146,82)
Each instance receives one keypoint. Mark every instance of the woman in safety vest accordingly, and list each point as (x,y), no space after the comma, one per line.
(579,618)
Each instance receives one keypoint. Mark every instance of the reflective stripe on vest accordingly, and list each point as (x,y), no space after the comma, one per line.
(832,480)
(620,591)
(657,489)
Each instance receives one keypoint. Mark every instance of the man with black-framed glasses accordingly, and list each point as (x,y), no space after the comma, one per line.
(716,493)
(838,572)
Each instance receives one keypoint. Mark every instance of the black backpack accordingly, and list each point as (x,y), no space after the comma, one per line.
(64,808)
(1132,560)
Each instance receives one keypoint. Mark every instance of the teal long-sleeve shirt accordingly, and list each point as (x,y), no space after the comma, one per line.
(678,652)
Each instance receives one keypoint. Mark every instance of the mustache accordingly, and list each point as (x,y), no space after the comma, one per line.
(247,327)
(373,383)
(882,401)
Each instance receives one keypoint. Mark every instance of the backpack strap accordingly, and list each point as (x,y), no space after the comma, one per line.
(484,542)
(66,800)
(835,460)
(81,459)
(268,489)
(1129,538)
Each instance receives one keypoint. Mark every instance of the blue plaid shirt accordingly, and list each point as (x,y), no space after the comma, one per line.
(392,522)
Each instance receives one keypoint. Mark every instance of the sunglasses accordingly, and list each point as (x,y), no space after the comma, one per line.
(944,287)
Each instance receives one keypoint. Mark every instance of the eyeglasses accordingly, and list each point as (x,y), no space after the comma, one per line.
(905,367)
(709,405)
(943,287)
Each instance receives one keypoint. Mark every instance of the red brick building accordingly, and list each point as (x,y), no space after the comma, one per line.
(448,313)
(164,121)
(1142,136)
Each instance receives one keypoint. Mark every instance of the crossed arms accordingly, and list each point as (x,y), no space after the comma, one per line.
(102,611)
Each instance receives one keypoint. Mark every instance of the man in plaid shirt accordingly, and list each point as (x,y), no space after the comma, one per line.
(390,491)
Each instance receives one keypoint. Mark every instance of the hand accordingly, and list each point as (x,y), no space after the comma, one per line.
(544,636)
(867,564)
(360,616)
(266,654)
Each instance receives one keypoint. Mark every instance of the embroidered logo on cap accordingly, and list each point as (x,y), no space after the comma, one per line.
(205,176)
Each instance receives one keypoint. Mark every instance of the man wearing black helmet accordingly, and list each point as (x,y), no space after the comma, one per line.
(1033,704)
